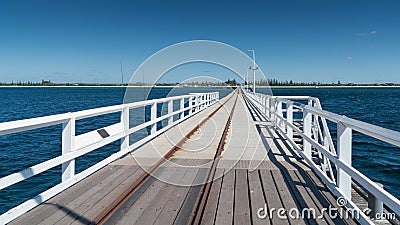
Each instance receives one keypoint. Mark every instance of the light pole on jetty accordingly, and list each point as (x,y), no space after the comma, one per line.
(247,79)
(254,69)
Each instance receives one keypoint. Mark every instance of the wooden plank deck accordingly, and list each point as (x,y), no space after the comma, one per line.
(263,172)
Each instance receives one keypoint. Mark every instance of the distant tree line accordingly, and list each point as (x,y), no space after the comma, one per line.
(49,83)
(229,82)
(275,82)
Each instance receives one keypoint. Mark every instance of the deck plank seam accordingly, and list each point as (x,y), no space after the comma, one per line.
(265,196)
(249,197)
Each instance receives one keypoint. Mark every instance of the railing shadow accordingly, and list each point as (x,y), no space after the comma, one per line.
(304,179)
(74,215)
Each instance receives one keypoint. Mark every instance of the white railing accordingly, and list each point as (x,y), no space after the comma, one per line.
(315,136)
(75,146)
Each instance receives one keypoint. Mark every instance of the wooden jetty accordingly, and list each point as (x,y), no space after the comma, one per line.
(244,159)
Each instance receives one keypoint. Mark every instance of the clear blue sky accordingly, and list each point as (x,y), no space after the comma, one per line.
(85,41)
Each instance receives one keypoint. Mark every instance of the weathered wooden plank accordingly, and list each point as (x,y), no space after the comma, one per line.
(76,208)
(242,201)
(287,196)
(257,198)
(45,210)
(129,202)
(303,198)
(186,212)
(327,195)
(154,197)
(358,199)
(225,205)
(210,210)
(169,212)
(318,198)
(272,197)
(139,198)
(155,207)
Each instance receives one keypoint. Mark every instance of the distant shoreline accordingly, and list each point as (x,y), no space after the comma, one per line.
(358,86)
(272,87)
(110,86)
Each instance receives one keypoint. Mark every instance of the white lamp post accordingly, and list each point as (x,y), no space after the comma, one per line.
(254,70)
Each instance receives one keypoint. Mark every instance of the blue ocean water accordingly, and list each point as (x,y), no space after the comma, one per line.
(378,106)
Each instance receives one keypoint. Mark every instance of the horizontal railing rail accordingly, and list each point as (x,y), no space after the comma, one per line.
(317,137)
(74,146)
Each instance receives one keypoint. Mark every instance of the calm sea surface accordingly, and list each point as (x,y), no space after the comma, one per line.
(377,160)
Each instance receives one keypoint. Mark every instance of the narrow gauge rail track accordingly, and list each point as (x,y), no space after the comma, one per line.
(207,187)
(104,215)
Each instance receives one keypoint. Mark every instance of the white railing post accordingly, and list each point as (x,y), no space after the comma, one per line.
(344,142)
(202,101)
(195,101)
(375,204)
(268,107)
(289,118)
(280,113)
(265,106)
(257,101)
(125,126)
(194,109)
(68,145)
(170,110)
(198,102)
(181,107)
(191,103)
(153,116)
(272,109)
(307,131)
(310,102)
(324,164)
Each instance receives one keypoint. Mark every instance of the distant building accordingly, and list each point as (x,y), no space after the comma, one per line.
(46,82)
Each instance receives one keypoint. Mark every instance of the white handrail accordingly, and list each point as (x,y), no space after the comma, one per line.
(380,133)
(345,172)
(73,148)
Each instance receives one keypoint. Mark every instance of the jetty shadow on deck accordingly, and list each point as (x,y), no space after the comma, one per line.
(296,183)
